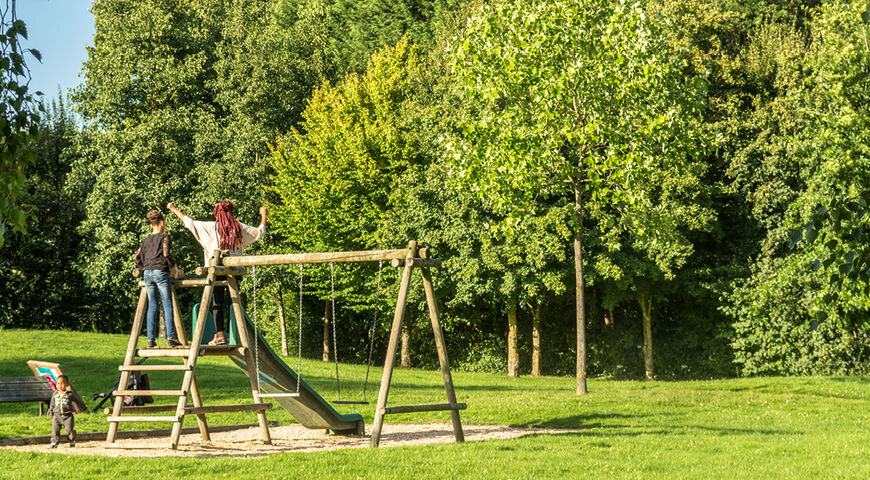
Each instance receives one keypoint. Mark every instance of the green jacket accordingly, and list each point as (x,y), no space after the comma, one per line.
(65,403)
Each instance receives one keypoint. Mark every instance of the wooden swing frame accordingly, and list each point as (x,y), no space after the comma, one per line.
(232,267)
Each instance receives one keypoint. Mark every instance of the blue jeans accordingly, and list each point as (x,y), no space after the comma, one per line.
(156,280)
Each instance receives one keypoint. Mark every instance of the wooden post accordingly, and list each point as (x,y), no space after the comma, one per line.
(197,402)
(441,346)
(193,353)
(138,320)
(176,314)
(401,302)
(250,360)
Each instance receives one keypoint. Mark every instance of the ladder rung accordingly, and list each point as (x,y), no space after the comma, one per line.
(149,393)
(424,408)
(278,395)
(152,368)
(249,407)
(143,409)
(204,351)
(143,419)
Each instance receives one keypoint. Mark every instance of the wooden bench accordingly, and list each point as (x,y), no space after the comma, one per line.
(25,389)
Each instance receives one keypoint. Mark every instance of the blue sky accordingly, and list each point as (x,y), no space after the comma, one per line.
(61,30)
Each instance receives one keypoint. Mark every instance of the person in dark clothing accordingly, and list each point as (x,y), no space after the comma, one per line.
(158,266)
(62,408)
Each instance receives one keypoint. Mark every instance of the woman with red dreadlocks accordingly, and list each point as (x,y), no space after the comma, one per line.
(225,233)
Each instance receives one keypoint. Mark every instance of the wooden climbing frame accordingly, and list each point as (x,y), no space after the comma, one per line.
(232,267)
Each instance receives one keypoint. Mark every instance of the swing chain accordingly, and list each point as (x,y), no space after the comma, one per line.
(256,332)
(334,340)
(299,341)
(372,330)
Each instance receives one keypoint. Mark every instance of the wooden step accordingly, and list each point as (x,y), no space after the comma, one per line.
(143,419)
(248,407)
(153,368)
(149,393)
(423,408)
(204,351)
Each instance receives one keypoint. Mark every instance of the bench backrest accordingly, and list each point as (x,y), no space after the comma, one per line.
(24,389)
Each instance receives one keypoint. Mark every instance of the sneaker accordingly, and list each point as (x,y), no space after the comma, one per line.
(152,344)
(53,445)
(173,342)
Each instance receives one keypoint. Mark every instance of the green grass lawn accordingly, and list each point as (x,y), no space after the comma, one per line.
(808,427)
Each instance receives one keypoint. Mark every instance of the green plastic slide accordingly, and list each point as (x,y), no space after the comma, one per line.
(309,408)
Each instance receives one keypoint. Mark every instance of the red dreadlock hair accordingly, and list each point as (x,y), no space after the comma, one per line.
(229,230)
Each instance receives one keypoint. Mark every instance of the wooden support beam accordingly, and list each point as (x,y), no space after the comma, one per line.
(441,348)
(143,419)
(423,408)
(204,351)
(389,361)
(416,262)
(138,320)
(323,257)
(221,270)
(176,317)
(137,273)
(193,283)
(152,368)
(250,361)
(149,393)
(247,407)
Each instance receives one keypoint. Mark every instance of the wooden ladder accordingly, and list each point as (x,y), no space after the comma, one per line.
(190,354)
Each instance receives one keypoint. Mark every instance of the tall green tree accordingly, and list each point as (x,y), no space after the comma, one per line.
(18,119)
(577,99)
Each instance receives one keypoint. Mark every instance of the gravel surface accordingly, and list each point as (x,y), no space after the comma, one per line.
(288,438)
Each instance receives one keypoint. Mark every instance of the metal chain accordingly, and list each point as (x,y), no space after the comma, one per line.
(299,341)
(334,340)
(372,330)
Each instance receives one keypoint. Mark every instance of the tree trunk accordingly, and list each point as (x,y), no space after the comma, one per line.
(645,308)
(578,277)
(281,324)
(326,332)
(406,345)
(513,349)
(537,313)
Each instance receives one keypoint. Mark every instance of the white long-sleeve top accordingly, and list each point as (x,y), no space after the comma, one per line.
(206,233)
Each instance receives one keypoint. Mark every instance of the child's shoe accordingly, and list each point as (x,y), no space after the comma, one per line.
(53,445)
(72,444)
(173,342)
(152,344)
(218,340)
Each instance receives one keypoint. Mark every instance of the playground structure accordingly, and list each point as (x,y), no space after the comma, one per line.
(265,369)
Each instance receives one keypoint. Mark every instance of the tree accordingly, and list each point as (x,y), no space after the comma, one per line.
(18,119)
(571,99)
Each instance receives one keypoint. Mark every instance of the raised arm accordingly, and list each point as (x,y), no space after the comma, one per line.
(172,208)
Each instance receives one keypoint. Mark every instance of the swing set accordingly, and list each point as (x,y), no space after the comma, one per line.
(285,386)
(338,400)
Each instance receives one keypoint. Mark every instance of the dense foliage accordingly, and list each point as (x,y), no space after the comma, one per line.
(634,168)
